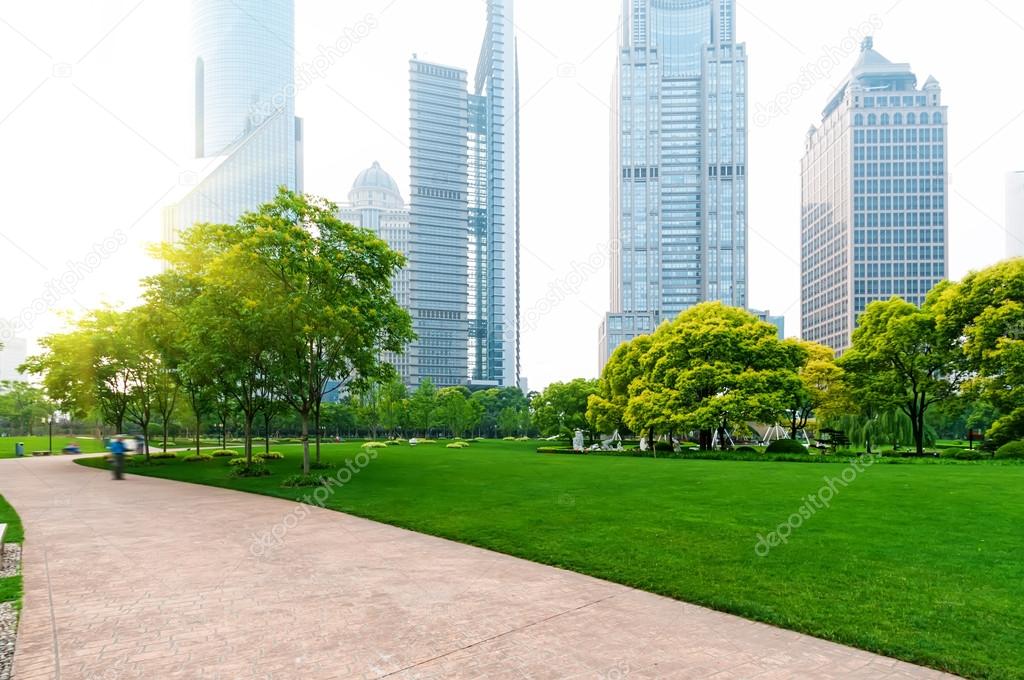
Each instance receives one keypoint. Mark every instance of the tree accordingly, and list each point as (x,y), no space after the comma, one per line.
(901,359)
(983,316)
(561,409)
(607,408)
(393,407)
(23,405)
(712,366)
(423,407)
(457,412)
(820,391)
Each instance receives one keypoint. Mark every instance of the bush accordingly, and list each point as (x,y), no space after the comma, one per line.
(523,439)
(302,481)
(458,445)
(970,455)
(375,445)
(746,449)
(257,469)
(200,458)
(1011,451)
(786,446)
(239,462)
(663,447)
(394,442)
(508,439)
(555,449)
(272,455)
(224,453)
(161,455)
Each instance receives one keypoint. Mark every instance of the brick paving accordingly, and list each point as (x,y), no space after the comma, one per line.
(154,579)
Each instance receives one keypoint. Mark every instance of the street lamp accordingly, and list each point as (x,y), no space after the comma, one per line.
(49,421)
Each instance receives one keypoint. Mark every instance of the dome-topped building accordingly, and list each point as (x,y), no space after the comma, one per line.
(376,203)
(375,188)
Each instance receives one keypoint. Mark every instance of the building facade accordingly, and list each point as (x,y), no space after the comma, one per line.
(248,141)
(874,219)
(375,202)
(679,165)
(1015,214)
(464,215)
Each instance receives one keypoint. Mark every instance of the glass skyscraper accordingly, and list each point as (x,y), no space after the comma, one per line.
(875,215)
(464,215)
(248,141)
(1015,214)
(679,165)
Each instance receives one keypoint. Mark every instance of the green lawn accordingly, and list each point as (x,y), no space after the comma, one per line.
(921,562)
(88,444)
(10,588)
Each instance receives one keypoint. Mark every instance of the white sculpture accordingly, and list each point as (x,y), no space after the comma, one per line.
(644,445)
(578,443)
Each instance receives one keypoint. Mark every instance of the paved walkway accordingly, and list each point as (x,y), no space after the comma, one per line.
(154,579)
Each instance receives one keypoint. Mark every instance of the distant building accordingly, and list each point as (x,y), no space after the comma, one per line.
(464,215)
(875,214)
(248,141)
(13,354)
(1015,214)
(778,321)
(375,202)
(679,165)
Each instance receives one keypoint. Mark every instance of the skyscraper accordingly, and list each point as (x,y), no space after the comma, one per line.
(464,215)
(679,165)
(248,141)
(874,215)
(1015,214)
(12,355)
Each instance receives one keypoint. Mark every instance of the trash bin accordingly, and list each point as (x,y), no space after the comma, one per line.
(19,449)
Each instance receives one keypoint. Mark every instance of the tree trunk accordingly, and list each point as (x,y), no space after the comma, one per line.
(316,416)
(249,417)
(305,442)
(199,427)
(165,434)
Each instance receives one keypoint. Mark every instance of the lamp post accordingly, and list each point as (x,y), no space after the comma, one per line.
(49,422)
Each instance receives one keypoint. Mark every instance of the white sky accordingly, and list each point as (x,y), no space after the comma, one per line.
(95,127)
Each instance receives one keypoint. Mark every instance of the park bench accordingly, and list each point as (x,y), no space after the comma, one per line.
(40,453)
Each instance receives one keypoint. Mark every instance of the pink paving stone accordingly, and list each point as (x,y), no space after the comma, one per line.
(155,579)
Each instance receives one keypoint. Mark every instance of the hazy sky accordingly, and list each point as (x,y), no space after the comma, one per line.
(95,130)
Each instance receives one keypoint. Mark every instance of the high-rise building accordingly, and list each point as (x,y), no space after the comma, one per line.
(464,215)
(874,219)
(12,354)
(375,202)
(248,141)
(679,165)
(1015,214)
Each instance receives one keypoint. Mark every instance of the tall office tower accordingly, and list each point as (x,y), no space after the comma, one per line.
(874,215)
(375,202)
(12,354)
(248,141)
(679,165)
(1015,214)
(464,215)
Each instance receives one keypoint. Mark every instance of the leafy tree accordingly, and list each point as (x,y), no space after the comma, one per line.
(711,366)
(820,392)
(456,411)
(423,406)
(393,407)
(901,359)
(983,316)
(23,405)
(562,408)
(607,408)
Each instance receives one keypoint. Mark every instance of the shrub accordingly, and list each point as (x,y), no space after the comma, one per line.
(374,445)
(458,445)
(508,439)
(200,458)
(223,453)
(302,481)
(161,455)
(786,446)
(1011,451)
(523,439)
(394,442)
(272,455)
(239,462)
(555,449)
(746,449)
(254,470)
(970,455)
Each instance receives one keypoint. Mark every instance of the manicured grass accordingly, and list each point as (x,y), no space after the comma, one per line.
(88,445)
(10,588)
(920,562)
